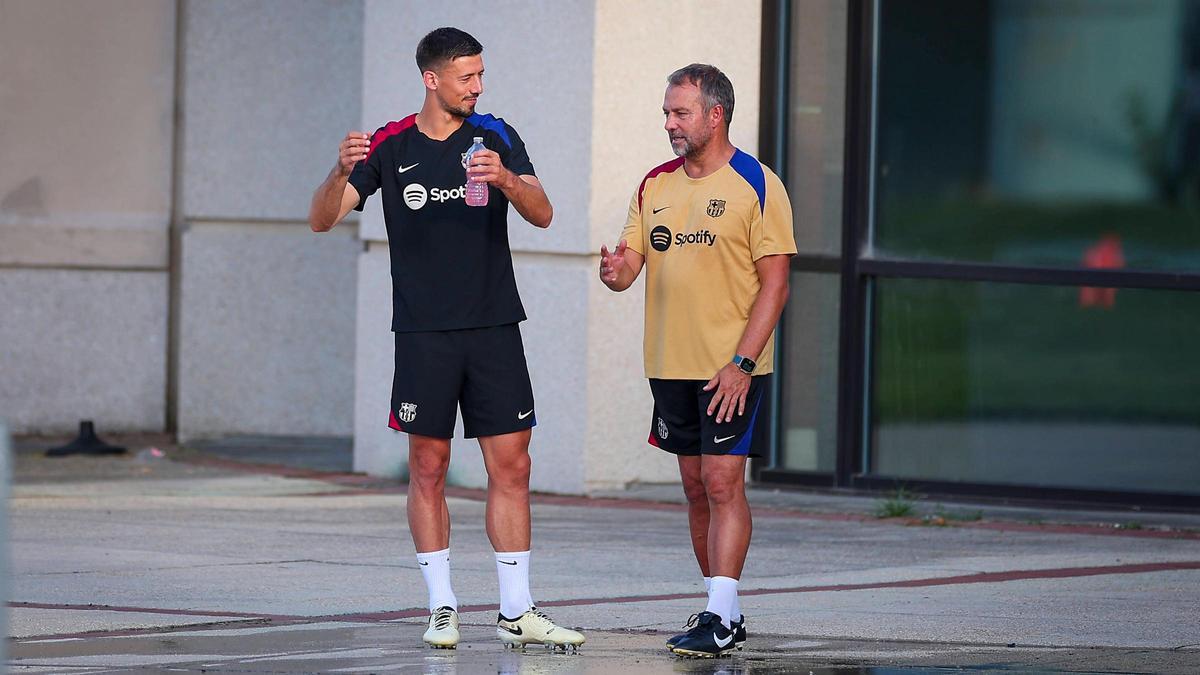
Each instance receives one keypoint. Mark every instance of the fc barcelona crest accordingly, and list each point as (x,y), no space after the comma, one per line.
(716,207)
(407,412)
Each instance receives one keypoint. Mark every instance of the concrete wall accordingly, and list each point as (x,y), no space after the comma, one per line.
(273,322)
(592,123)
(266,307)
(86,105)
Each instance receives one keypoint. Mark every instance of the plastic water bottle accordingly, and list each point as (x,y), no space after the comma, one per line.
(477,193)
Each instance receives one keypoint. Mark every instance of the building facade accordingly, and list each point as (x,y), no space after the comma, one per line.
(995,208)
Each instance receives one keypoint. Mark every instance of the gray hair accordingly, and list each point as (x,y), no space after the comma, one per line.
(715,88)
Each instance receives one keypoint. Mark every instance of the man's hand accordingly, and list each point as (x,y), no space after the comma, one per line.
(611,264)
(486,167)
(732,386)
(354,149)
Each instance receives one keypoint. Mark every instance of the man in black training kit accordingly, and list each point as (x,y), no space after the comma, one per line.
(455,311)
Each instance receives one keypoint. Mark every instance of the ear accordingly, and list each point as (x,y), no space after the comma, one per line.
(716,116)
(431,80)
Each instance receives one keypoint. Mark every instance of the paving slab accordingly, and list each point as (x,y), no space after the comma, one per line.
(179,565)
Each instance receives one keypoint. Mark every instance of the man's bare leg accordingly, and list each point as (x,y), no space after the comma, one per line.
(729,532)
(730,524)
(428,516)
(429,523)
(506,458)
(698,508)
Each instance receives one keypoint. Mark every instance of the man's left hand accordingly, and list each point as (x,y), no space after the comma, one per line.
(486,167)
(732,385)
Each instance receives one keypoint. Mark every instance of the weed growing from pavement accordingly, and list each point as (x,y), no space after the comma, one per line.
(898,504)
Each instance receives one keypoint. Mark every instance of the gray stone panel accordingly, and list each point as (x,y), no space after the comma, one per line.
(378,449)
(549,106)
(271,87)
(77,344)
(267,330)
(86,128)
(554,290)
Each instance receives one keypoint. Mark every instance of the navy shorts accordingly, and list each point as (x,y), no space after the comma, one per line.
(681,424)
(483,370)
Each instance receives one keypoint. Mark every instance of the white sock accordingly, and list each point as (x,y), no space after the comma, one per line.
(513,570)
(721,598)
(707,584)
(735,614)
(435,567)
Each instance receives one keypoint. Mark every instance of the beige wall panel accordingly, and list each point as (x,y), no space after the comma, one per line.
(633,59)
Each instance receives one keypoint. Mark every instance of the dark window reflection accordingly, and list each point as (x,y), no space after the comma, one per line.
(1033,131)
(1037,385)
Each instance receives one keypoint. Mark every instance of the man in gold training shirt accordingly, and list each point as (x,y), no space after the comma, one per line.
(713,229)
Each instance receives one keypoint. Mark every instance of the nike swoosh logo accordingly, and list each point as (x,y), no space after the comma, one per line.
(507,563)
(720,642)
(517,631)
(523,415)
(655,211)
(722,440)
(424,563)
(406,168)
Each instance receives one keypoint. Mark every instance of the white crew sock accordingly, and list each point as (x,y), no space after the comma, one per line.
(721,598)
(735,614)
(513,570)
(435,567)
(708,584)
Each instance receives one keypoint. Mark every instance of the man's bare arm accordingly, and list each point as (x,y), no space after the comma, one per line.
(731,383)
(335,197)
(768,304)
(524,192)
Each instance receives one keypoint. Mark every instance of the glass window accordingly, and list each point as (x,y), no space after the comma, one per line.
(808,432)
(1040,132)
(816,120)
(1037,385)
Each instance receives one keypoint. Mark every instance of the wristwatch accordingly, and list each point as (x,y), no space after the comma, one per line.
(744,363)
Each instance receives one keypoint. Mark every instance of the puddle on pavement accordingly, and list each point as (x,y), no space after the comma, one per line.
(395,647)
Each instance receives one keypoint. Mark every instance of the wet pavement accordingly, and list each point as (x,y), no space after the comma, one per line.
(194,563)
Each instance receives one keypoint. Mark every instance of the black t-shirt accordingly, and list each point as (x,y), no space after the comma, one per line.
(451,264)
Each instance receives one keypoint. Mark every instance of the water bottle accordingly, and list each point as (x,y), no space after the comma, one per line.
(477,193)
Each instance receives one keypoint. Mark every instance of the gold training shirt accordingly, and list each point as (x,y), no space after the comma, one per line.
(701,238)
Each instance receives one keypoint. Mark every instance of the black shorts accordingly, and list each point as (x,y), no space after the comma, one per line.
(483,369)
(681,424)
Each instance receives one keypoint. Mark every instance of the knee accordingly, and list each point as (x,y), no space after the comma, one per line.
(722,491)
(513,472)
(694,491)
(427,471)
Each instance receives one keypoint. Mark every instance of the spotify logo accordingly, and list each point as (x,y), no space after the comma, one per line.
(660,238)
(415,195)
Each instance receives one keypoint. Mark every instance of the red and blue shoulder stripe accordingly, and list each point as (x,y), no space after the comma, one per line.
(390,129)
(748,168)
(666,167)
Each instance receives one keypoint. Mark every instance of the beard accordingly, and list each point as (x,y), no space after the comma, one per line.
(689,146)
(463,110)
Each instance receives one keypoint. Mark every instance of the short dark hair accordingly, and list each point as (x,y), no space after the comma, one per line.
(445,44)
(715,88)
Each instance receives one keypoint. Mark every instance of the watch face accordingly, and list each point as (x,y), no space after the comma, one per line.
(747,365)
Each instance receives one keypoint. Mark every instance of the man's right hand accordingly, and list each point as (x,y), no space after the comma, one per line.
(354,149)
(611,264)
